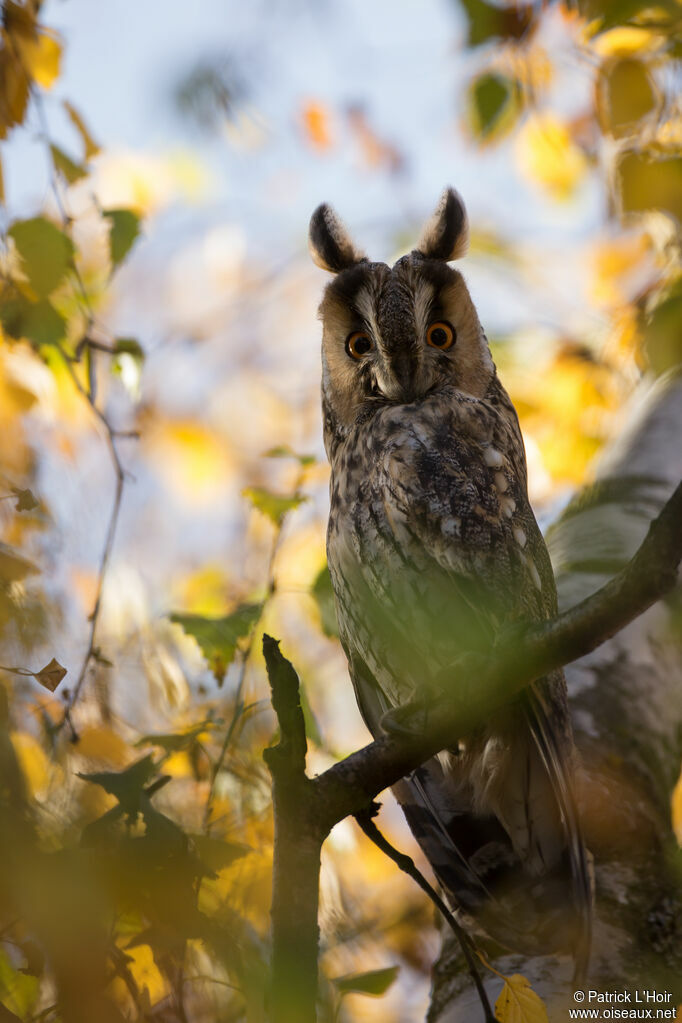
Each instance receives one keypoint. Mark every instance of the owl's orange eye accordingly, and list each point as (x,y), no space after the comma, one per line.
(441,335)
(358,344)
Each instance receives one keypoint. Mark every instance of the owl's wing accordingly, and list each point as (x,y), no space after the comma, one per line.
(409,600)
(471,854)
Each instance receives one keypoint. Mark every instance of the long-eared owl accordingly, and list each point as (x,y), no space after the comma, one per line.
(433,548)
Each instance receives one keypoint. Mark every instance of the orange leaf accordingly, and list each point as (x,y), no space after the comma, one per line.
(316,125)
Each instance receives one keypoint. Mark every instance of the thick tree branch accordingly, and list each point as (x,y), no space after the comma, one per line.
(478,687)
(298,841)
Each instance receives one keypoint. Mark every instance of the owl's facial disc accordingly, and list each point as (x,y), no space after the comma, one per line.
(397,335)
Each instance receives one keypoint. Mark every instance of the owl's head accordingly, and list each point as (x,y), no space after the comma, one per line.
(396,334)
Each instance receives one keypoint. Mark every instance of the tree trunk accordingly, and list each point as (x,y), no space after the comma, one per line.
(626,700)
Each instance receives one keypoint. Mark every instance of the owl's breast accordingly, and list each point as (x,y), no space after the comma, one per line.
(432,543)
(454,472)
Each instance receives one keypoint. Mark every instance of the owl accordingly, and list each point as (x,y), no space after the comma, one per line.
(433,550)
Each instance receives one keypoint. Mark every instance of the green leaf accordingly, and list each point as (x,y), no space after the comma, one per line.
(374,982)
(215,854)
(323,594)
(18,990)
(275,506)
(128,785)
(65,166)
(491,97)
(174,742)
(127,363)
(605,14)
(46,252)
(625,94)
(647,184)
(489,21)
(518,1003)
(218,637)
(128,346)
(125,228)
(284,451)
(662,332)
(38,322)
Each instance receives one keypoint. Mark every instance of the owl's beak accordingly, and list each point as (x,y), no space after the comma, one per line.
(399,380)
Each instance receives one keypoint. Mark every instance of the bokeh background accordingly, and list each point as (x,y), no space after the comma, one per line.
(162,478)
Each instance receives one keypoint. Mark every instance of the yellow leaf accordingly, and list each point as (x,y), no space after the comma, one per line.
(547,154)
(300,558)
(90,146)
(14,90)
(178,765)
(626,40)
(194,459)
(626,94)
(34,763)
(668,133)
(518,1003)
(616,263)
(676,808)
(146,972)
(101,743)
(41,56)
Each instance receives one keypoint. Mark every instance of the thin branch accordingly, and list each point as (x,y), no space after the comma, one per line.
(106,551)
(83,300)
(409,867)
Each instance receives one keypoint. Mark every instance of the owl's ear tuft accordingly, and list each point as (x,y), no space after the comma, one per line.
(329,242)
(446,235)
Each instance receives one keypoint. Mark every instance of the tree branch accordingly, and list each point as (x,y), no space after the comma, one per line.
(306,809)
(477,687)
(408,866)
(298,842)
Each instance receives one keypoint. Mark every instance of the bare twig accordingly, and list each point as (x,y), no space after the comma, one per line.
(111,434)
(106,551)
(409,867)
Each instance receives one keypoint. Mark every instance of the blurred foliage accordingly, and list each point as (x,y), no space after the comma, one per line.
(135,827)
(209,92)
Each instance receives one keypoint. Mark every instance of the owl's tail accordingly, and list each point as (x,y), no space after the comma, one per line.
(582,875)
(477,858)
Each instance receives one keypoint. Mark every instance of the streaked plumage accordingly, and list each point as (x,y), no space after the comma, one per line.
(432,548)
